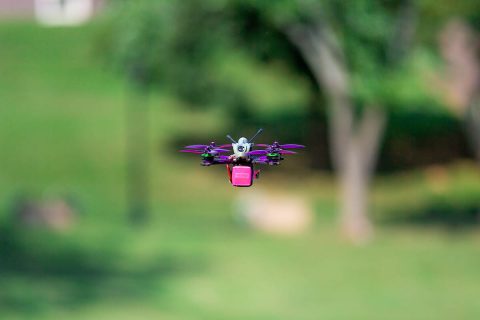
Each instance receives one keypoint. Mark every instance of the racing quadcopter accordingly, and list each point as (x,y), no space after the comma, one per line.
(241,164)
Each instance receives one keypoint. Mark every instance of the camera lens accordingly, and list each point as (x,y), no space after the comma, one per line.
(240,148)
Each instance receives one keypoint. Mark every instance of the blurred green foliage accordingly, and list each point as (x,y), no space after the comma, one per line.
(216,52)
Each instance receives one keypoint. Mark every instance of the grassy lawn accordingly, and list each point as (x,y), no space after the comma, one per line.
(62,133)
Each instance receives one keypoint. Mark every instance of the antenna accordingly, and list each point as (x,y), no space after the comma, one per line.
(256,134)
(231,139)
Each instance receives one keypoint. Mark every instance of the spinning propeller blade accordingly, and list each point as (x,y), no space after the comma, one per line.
(191,151)
(281,146)
(265,152)
(197,146)
(291,146)
(257,152)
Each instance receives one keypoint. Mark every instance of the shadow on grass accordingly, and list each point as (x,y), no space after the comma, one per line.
(39,273)
(437,213)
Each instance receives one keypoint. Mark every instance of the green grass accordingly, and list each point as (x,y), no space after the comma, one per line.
(62,132)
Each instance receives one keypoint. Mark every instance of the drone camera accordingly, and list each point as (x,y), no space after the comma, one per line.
(242,146)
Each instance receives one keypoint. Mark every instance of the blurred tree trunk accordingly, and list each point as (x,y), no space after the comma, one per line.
(355,172)
(354,142)
(137,146)
(354,139)
(460,48)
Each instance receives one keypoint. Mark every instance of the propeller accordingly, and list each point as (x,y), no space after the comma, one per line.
(213,151)
(265,152)
(266,160)
(281,146)
(197,146)
(257,152)
(203,146)
(291,146)
(208,149)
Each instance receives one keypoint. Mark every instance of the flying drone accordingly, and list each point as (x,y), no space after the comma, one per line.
(241,164)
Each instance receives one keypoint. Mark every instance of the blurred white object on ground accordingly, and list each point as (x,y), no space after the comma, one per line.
(63,12)
(273,213)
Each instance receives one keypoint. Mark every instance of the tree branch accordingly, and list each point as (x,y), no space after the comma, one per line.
(330,73)
(404,32)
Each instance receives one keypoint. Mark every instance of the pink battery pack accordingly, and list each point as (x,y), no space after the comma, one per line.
(242,176)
